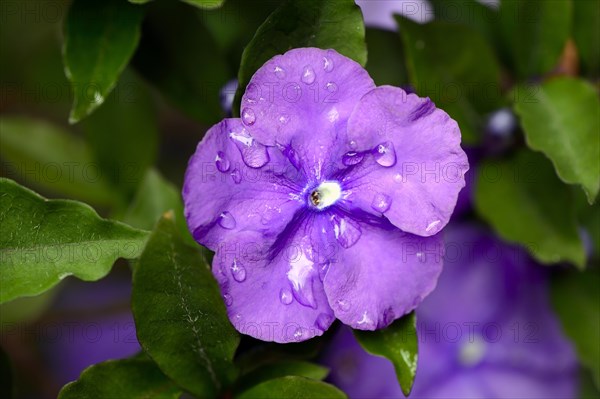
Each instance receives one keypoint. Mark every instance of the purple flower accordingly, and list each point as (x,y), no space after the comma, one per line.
(487,331)
(324,199)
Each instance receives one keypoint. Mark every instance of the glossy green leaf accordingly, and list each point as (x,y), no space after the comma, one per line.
(399,344)
(7,383)
(525,202)
(335,24)
(455,67)
(178,56)
(205,4)
(44,241)
(281,369)
(100,38)
(179,314)
(575,298)
(292,387)
(123,134)
(386,58)
(135,378)
(533,34)
(48,157)
(586,32)
(561,118)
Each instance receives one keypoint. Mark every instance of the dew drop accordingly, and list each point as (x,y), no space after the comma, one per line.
(236,175)
(285,296)
(385,154)
(327,64)
(344,305)
(352,144)
(323,321)
(381,202)
(228,299)
(398,178)
(248,116)
(298,334)
(279,72)
(222,162)
(284,119)
(226,220)
(352,158)
(323,271)
(238,271)
(308,75)
(255,156)
(292,156)
(347,231)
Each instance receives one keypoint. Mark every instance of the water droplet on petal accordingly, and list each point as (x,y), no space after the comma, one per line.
(352,144)
(292,156)
(381,202)
(432,225)
(238,271)
(248,116)
(344,305)
(236,175)
(226,220)
(284,119)
(365,320)
(323,321)
(285,296)
(300,275)
(228,299)
(308,75)
(298,334)
(346,231)
(254,154)
(222,162)
(327,64)
(352,158)
(323,271)
(398,178)
(385,154)
(279,72)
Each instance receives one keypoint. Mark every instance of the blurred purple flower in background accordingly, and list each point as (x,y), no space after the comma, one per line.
(487,331)
(324,198)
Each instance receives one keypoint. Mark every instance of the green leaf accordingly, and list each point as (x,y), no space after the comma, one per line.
(205,4)
(292,387)
(180,316)
(575,298)
(281,369)
(586,32)
(526,203)
(561,118)
(26,309)
(386,58)
(139,1)
(476,15)
(7,386)
(455,67)
(335,24)
(533,34)
(178,56)
(399,344)
(43,155)
(133,378)
(44,241)
(100,38)
(123,134)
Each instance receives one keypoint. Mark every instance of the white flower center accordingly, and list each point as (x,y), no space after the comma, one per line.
(325,195)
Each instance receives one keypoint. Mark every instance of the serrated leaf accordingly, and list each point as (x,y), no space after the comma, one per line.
(399,344)
(561,118)
(44,241)
(526,203)
(135,378)
(455,67)
(46,156)
(533,34)
(575,299)
(292,388)
(335,24)
(100,38)
(123,134)
(180,58)
(179,314)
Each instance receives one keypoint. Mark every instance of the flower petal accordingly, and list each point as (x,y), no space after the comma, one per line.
(415,160)
(383,276)
(303,99)
(235,184)
(272,287)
